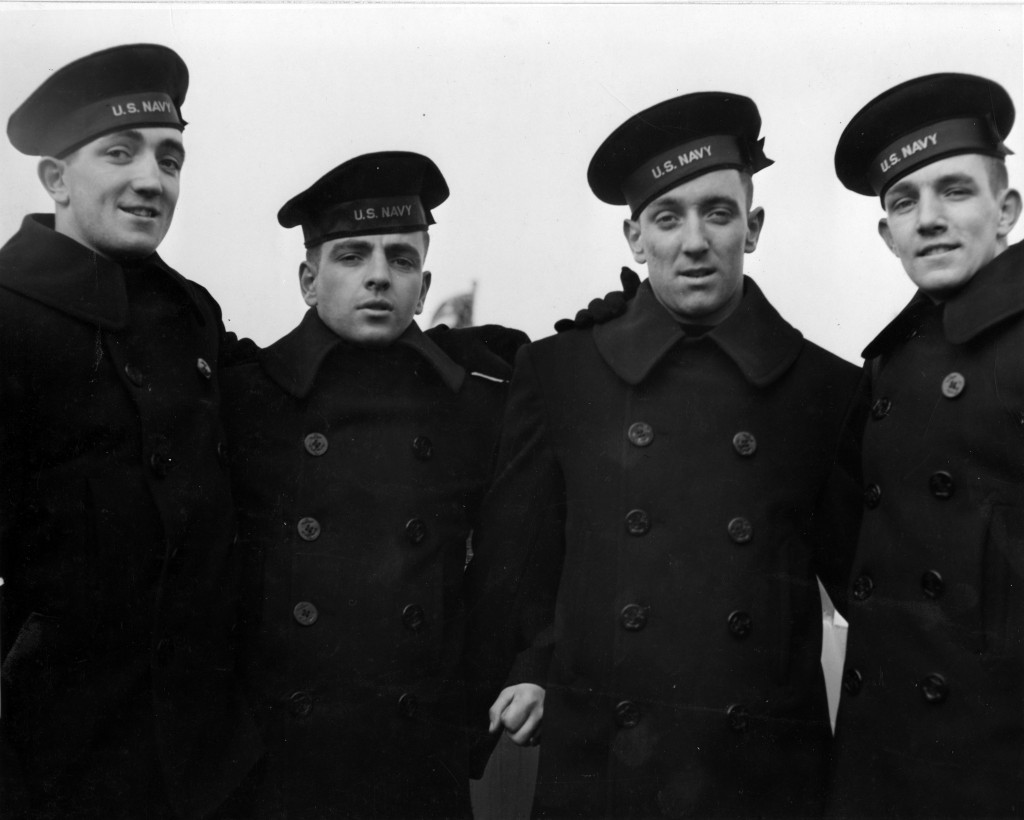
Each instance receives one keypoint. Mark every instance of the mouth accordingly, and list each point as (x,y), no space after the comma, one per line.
(937,249)
(697,273)
(377,304)
(141,211)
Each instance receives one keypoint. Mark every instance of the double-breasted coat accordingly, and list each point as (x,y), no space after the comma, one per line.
(654,527)
(358,475)
(116,530)
(931,720)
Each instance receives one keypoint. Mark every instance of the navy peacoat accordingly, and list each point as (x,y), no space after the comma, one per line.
(116,533)
(931,722)
(655,526)
(358,475)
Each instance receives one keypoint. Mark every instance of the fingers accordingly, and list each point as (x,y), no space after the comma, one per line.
(528,732)
(498,707)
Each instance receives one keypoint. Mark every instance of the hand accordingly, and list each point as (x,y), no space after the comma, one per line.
(519,710)
(600,311)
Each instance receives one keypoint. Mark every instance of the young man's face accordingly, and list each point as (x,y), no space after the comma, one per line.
(693,239)
(367,289)
(117,194)
(944,222)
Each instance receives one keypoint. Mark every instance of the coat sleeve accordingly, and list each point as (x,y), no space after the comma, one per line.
(513,579)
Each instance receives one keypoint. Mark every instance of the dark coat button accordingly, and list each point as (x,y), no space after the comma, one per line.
(305,613)
(204,368)
(309,529)
(413,617)
(932,584)
(134,375)
(634,617)
(640,434)
(740,530)
(941,484)
(739,717)
(407,705)
(872,496)
(953,385)
(881,407)
(415,530)
(160,460)
(300,704)
(740,624)
(164,652)
(422,448)
(745,443)
(863,586)
(852,681)
(315,444)
(934,688)
(637,522)
(627,714)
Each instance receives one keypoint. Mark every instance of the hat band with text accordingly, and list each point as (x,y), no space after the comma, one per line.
(959,136)
(395,214)
(668,169)
(141,109)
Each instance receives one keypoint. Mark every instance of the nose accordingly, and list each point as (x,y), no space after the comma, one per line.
(694,242)
(147,179)
(378,272)
(931,215)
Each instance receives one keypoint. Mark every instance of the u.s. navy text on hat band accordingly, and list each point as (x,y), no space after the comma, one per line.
(369,216)
(963,135)
(114,113)
(666,170)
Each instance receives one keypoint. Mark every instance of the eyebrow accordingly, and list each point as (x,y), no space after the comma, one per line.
(348,245)
(402,248)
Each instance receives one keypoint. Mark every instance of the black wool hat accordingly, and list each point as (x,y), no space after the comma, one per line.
(133,86)
(918,122)
(674,141)
(384,192)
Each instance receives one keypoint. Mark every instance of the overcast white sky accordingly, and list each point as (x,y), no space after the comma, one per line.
(511,101)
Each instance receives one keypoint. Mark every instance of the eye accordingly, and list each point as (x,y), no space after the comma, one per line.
(720,215)
(171,164)
(404,263)
(901,205)
(666,219)
(119,153)
(957,192)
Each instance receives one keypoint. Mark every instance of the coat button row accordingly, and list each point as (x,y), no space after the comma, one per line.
(305,613)
(633,617)
(852,681)
(744,443)
(740,530)
(934,688)
(640,434)
(413,617)
(316,444)
(931,583)
(638,522)
(880,408)
(309,528)
(422,448)
(863,586)
(300,703)
(740,624)
(627,714)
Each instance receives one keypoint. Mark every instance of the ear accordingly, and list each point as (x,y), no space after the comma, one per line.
(51,174)
(886,234)
(423,292)
(1009,212)
(307,283)
(631,230)
(755,221)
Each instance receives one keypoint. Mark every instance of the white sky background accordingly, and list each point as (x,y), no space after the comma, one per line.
(511,101)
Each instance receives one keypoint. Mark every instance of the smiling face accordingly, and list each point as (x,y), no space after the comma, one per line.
(693,239)
(367,289)
(945,222)
(116,195)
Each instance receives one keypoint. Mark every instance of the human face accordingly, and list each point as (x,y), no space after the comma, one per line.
(692,239)
(367,289)
(116,195)
(945,223)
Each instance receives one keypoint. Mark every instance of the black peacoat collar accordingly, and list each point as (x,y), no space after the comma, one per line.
(995,293)
(762,344)
(294,360)
(55,270)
